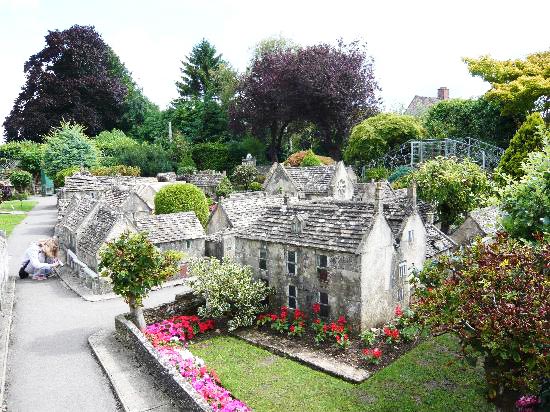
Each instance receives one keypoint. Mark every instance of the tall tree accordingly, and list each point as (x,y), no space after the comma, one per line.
(332,87)
(198,69)
(69,80)
(523,86)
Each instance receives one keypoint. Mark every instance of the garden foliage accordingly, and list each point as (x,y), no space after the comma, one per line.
(310,159)
(243,176)
(117,170)
(21,180)
(59,178)
(224,188)
(210,156)
(150,158)
(526,202)
(496,298)
(182,197)
(29,154)
(229,290)
(111,144)
(295,159)
(68,146)
(376,173)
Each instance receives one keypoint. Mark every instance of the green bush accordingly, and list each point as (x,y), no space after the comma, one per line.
(150,158)
(229,290)
(399,173)
(182,197)
(526,202)
(255,186)
(117,170)
(376,174)
(310,159)
(186,166)
(59,178)
(29,154)
(224,188)
(210,156)
(374,137)
(112,144)
(528,138)
(68,146)
(243,175)
(21,180)
(131,277)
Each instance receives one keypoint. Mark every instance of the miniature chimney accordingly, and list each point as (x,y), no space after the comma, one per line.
(430,216)
(411,191)
(443,93)
(378,205)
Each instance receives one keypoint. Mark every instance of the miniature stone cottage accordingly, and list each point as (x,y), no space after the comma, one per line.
(236,212)
(311,182)
(483,222)
(343,255)
(206,180)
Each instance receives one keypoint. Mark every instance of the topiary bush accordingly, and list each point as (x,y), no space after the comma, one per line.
(255,186)
(295,159)
(310,159)
(528,138)
(118,170)
(59,178)
(243,175)
(182,197)
(21,180)
(224,188)
(376,174)
(68,146)
(229,289)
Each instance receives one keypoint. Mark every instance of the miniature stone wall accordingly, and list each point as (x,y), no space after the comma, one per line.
(4,269)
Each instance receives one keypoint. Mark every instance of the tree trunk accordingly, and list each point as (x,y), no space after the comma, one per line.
(273,146)
(137,314)
(503,398)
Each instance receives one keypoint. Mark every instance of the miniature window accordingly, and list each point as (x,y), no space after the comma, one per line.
(292,303)
(322,270)
(291,262)
(402,270)
(323,303)
(411,236)
(188,244)
(400,294)
(263,256)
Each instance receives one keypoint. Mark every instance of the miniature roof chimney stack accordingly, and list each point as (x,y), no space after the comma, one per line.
(443,93)
(430,217)
(411,191)
(378,205)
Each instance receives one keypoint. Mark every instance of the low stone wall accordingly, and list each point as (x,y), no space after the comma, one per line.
(4,268)
(181,391)
(183,304)
(97,284)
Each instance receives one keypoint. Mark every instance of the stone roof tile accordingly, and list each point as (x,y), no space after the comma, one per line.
(437,242)
(171,227)
(312,180)
(97,229)
(243,209)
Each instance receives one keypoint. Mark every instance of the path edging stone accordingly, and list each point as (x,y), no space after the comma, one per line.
(8,301)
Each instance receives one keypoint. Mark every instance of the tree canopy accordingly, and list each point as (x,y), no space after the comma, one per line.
(70,79)
(522,86)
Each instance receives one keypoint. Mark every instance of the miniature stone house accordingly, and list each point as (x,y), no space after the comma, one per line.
(174,231)
(127,201)
(206,180)
(343,255)
(73,220)
(311,182)
(483,222)
(236,212)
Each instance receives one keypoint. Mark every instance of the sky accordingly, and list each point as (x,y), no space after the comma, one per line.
(417,45)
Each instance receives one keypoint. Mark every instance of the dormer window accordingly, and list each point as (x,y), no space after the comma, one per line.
(298,224)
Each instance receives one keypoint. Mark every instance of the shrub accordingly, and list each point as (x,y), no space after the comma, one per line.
(224,188)
(186,166)
(526,202)
(150,158)
(454,187)
(374,137)
(29,154)
(295,159)
(496,298)
(21,180)
(376,173)
(210,156)
(399,173)
(244,175)
(117,170)
(310,159)
(111,144)
(229,290)
(131,277)
(182,197)
(59,178)
(68,146)
(255,186)
(528,138)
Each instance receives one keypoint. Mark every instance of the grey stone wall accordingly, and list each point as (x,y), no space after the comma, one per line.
(196,247)
(467,232)
(279,182)
(343,285)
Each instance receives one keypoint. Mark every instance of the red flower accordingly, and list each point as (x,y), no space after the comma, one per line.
(325,328)
(317,321)
(398,311)
(273,317)
(376,353)
(284,309)
(298,314)
(292,328)
(342,320)
(338,338)
(333,326)
(316,308)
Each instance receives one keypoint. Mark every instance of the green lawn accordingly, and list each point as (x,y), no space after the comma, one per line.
(24,205)
(8,222)
(431,377)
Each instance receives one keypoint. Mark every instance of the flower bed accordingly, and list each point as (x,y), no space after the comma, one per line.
(372,350)
(170,338)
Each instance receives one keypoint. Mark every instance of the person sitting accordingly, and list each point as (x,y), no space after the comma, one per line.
(40,258)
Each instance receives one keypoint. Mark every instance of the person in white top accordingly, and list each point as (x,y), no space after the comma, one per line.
(40,258)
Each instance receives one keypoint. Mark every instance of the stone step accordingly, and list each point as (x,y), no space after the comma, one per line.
(134,387)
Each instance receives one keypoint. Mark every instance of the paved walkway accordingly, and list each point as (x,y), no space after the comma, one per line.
(50,365)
